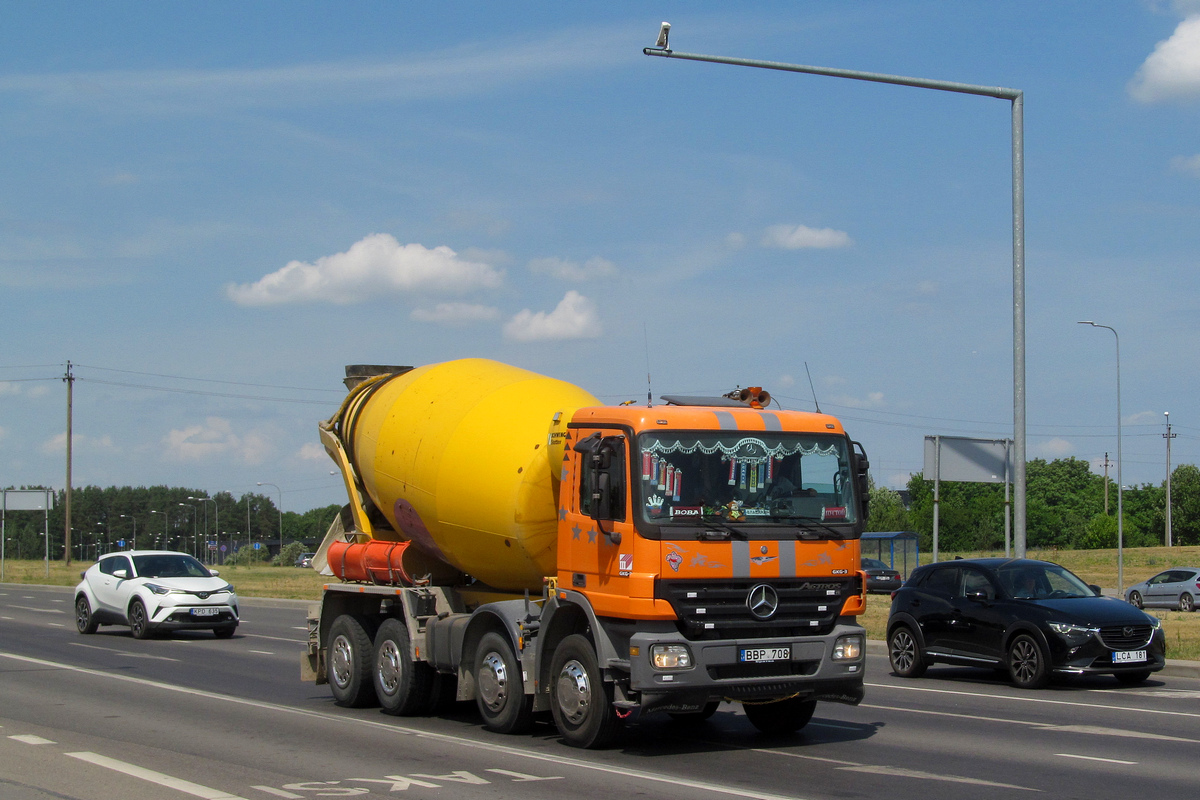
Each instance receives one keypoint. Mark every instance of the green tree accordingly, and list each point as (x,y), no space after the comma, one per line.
(1185,505)
(887,510)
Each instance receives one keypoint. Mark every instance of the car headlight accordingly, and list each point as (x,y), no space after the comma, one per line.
(1073,634)
(848,648)
(671,656)
(1155,622)
(154,587)
(226,588)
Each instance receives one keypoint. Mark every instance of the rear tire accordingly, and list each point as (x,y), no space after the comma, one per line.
(350,654)
(1028,664)
(1133,678)
(580,699)
(783,717)
(139,620)
(1187,602)
(500,687)
(402,686)
(84,621)
(1135,599)
(905,654)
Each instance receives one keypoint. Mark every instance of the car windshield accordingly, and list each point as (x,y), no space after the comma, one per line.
(743,478)
(169,566)
(1034,581)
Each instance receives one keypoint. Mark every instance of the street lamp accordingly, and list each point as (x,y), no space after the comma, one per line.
(194,515)
(263,483)
(166,519)
(1120,484)
(1017,98)
(134,519)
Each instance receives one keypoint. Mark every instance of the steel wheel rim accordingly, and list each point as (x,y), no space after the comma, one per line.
(388,666)
(493,681)
(903,651)
(1025,660)
(574,692)
(342,659)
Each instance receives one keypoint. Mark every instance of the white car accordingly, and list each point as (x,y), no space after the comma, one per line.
(154,590)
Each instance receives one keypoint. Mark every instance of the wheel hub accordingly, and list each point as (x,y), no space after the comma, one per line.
(388,666)
(574,692)
(340,661)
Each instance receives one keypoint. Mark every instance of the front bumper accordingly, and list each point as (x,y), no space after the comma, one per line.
(717,672)
(198,615)
(1096,658)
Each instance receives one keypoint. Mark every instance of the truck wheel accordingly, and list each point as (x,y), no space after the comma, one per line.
(500,688)
(84,621)
(785,716)
(350,663)
(579,698)
(402,685)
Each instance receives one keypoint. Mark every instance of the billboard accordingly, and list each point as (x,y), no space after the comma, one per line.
(959,458)
(28,499)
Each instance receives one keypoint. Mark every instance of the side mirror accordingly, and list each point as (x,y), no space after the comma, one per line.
(123,574)
(213,572)
(978,597)
(1096,590)
(862,468)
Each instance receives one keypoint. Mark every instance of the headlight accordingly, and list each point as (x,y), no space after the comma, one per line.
(154,587)
(671,656)
(848,648)
(226,588)
(1073,634)
(1155,622)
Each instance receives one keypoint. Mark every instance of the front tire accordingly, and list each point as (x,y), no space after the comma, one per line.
(84,621)
(1135,599)
(350,654)
(1028,663)
(139,620)
(402,685)
(783,717)
(580,699)
(905,654)
(1187,602)
(500,688)
(224,632)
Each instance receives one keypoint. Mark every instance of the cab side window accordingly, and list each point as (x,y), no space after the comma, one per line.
(109,566)
(602,478)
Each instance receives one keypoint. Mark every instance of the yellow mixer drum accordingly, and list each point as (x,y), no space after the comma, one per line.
(464,459)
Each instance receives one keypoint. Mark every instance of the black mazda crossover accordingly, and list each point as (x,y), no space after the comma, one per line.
(1030,618)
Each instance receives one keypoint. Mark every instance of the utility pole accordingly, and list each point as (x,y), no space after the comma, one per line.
(1168,436)
(69,379)
(1106,464)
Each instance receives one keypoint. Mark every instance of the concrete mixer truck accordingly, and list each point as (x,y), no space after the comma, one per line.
(512,541)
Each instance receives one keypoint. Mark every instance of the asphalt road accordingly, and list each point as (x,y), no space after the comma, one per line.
(107,716)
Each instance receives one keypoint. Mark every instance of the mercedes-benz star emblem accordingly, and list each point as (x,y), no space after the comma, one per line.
(763,601)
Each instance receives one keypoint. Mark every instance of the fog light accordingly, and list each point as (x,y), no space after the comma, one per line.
(671,656)
(848,648)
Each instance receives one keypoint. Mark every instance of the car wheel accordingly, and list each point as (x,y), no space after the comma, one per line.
(1133,678)
(1135,598)
(139,620)
(905,654)
(1027,663)
(580,699)
(782,717)
(695,716)
(404,687)
(225,631)
(500,688)
(350,654)
(1187,603)
(84,620)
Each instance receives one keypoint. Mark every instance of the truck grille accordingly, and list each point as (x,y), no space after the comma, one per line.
(1126,637)
(719,609)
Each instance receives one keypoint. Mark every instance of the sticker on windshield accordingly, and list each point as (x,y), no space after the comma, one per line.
(833,513)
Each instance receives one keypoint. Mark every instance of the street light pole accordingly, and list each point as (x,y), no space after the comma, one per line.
(216,520)
(1120,483)
(1017,98)
(264,483)
(1168,436)
(134,520)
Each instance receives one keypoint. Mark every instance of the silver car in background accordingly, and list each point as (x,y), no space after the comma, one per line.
(1176,588)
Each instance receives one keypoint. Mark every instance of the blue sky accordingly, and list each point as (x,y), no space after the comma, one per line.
(211,208)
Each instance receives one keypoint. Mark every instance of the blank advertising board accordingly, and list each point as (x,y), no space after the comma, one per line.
(28,500)
(967,460)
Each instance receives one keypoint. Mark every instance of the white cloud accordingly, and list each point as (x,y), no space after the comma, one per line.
(216,438)
(927,288)
(574,318)
(564,270)
(1172,71)
(735,241)
(9,388)
(796,237)
(375,265)
(872,400)
(455,314)
(1189,164)
(1055,448)
(57,444)
(311,451)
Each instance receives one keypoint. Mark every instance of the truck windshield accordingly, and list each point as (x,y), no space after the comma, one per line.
(747,479)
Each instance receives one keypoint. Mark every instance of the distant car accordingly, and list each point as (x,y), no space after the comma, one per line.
(1030,618)
(153,591)
(1177,588)
(305,559)
(880,577)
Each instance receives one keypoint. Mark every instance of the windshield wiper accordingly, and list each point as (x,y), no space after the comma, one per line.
(811,523)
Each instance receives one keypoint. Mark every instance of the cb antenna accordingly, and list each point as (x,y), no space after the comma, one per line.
(649,394)
(813,388)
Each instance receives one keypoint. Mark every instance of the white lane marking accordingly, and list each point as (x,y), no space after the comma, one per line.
(55,625)
(40,610)
(262,652)
(277,792)
(274,638)
(29,738)
(7,619)
(1016,699)
(1096,758)
(835,727)
(521,777)
(445,738)
(123,652)
(149,775)
(900,772)
(1096,730)
(1172,694)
